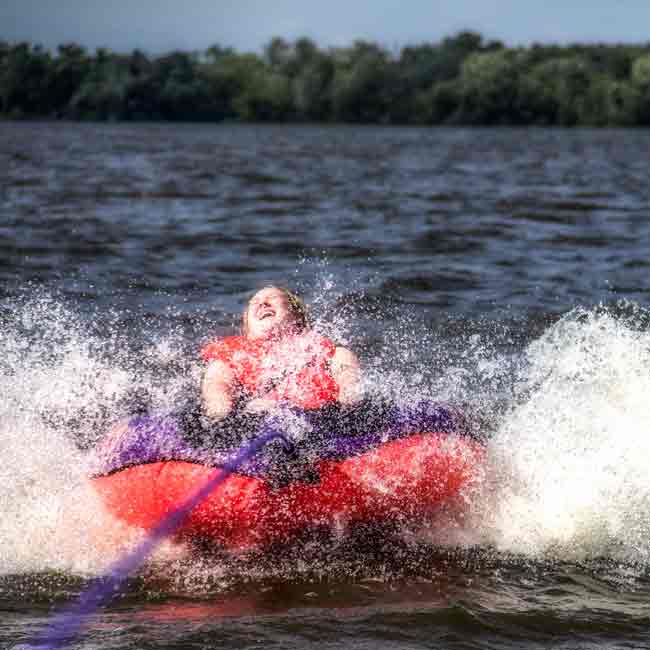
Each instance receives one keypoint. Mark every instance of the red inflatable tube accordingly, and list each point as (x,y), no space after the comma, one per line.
(401,480)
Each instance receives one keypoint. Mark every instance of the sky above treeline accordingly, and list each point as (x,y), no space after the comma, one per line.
(157,26)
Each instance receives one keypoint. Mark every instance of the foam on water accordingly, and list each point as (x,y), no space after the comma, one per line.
(567,473)
(56,392)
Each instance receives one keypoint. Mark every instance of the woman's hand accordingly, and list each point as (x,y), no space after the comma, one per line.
(347,374)
(260,405)
(217,390)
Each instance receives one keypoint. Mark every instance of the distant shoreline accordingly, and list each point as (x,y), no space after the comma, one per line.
(462,80)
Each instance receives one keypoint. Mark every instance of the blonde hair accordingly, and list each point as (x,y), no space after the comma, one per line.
(297,308)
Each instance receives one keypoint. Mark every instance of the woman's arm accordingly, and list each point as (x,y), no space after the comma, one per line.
(347,374)
(218,390)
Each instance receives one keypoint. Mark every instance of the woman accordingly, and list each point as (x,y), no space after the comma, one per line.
(343,460)
(278,359)
(277,366)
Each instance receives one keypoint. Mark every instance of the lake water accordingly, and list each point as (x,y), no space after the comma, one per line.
(501,270)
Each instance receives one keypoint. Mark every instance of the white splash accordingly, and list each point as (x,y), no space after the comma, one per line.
(51,517)
(567,473)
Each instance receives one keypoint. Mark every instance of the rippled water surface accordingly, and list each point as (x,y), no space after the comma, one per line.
(505,271)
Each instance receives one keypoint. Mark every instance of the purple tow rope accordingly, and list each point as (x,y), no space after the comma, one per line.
(67,624)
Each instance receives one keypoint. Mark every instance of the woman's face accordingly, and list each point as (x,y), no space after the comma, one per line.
(268,314)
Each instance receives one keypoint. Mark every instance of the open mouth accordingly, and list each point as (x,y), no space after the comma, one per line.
(264,314)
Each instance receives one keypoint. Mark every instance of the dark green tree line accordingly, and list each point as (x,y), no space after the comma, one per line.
(462,80)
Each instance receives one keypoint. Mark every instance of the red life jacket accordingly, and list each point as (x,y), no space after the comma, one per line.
(295,369)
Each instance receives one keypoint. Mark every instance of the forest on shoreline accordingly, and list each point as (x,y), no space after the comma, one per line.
(461,80)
